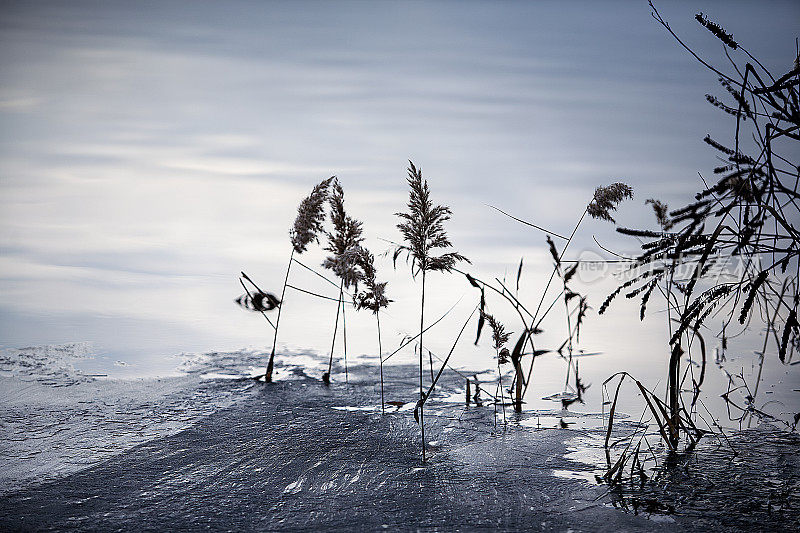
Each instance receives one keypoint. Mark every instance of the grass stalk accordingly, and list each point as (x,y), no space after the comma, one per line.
(271,363)
(423,230)
(326,377)
(421,390)
(500,384)
(344,338)
(380,359)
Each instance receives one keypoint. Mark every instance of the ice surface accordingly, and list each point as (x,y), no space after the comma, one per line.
(299,454)
(56,419)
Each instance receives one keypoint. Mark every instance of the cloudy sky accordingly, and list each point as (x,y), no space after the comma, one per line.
(151,151)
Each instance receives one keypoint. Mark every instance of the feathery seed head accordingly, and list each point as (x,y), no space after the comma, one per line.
(499,335)
(374,295)
(717,30)
(345,267)
(310,216)
(606,200)
(343,241)
(662,213)
(423,228)
(504,356)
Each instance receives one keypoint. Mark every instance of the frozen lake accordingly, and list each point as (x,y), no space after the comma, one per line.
(204,450)
(148,155)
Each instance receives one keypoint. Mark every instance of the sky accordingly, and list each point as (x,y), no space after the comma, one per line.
(151,151)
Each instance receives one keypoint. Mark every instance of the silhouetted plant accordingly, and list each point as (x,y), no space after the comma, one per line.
(606,199)
(373,297)
(306,229)
(748,215)
(423,231)
(499,339)
(343,243)
(526,337)
(575,303)
(603,202)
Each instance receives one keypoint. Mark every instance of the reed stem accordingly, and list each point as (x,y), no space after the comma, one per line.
(380,358)
(271,363)
(421,391)
(326,377)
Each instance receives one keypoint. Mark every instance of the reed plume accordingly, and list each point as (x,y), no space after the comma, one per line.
(306,228)
(661,211)
(373,297)
(606,200)
(423,231)
(343,243)
(310,217)
(499,339)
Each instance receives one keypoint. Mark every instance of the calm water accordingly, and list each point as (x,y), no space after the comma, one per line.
(149,152)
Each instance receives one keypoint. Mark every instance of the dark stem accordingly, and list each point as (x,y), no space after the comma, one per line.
(674,394)
(421,392)
(549,281)
(569,340)
(515,303)
(446,359)
(500,377)
(519,380)
(271,363)
(344,337)
(770,324)
(326,377)
(380,358)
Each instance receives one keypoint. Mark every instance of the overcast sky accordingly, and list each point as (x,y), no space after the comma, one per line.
(150,151)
